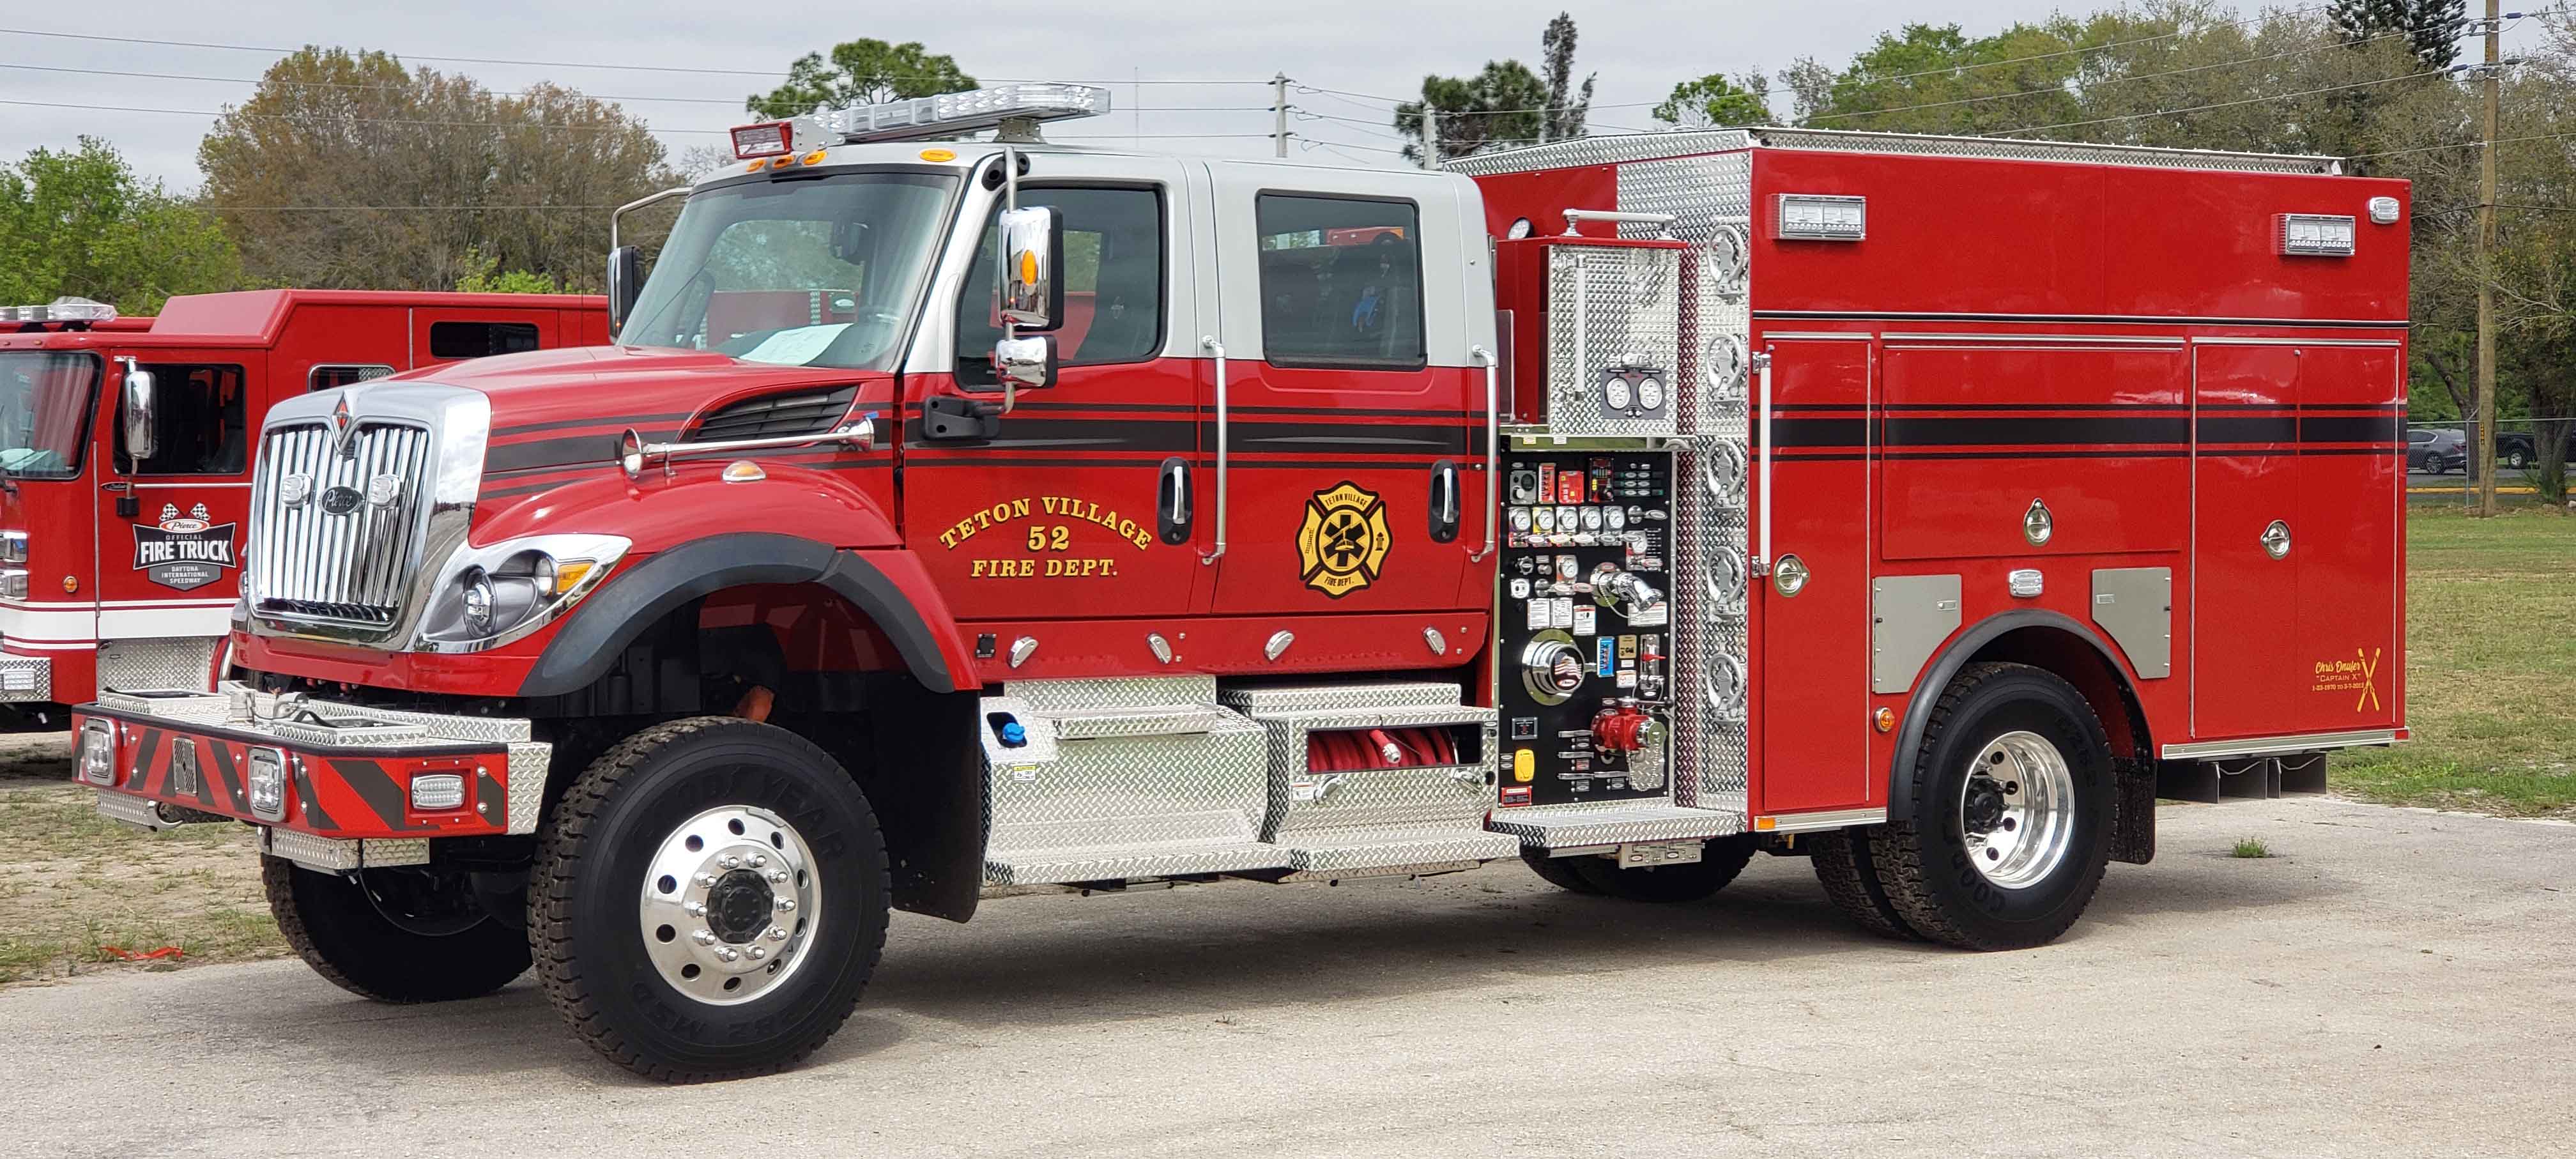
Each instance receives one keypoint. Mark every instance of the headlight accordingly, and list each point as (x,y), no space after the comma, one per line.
(13,583)
(490,596)
(1614,391)
(267,780)
(13,547)
(98,753)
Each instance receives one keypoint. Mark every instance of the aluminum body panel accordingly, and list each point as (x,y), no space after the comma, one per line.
(2275,745)
(163,662)
(133,810)
(1575,826)
(1125,804)
(1611,308)
(198,708)
(1909,617)
(328,855)
(1611,149)
(1284,698)
(2134,605)
(1388,852)
(1050,696)
(26,678)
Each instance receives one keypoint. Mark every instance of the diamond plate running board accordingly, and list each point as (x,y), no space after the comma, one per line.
(1118,863)
(1582,826)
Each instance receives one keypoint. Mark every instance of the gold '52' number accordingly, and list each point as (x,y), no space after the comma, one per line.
(1056,538)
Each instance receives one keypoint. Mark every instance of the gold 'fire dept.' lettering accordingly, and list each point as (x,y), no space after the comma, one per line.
(1050,530)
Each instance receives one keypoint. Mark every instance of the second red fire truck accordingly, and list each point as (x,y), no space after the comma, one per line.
(954,516)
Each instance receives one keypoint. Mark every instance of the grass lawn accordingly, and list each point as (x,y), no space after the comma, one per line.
(2490,669)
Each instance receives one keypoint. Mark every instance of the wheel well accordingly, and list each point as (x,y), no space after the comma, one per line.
(2081,663)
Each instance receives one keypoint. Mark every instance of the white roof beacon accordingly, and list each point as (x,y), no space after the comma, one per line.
(1013,112)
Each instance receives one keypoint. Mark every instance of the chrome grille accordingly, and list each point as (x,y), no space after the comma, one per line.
(306,563)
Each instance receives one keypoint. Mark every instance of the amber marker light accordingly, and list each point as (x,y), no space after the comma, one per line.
(1885,719)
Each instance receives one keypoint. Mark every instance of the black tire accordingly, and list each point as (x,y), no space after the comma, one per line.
(1557,871)
(451,949)
(1842,864)
(1720,861)
(597,846)
(1923,864)
(2516,459)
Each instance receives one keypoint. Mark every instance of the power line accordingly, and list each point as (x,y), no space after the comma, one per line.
(2460,145)
(1959,68)
(356,120)
(769,73)
(2220,104)
(2061,89)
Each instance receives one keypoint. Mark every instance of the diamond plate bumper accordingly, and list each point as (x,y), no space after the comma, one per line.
(348,769)
(26,679)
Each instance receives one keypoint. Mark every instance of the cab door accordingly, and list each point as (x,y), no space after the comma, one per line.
(1353,450)
(171,524)
(1083,502)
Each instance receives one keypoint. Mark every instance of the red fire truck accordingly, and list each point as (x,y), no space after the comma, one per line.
(117,568)
(960,516)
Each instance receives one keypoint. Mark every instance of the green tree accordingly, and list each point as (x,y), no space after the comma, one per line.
(81,223)
(348,170)
(1567,105)
(2431,28)
(859,72)
(484,275)
(1713,101)
(1499,108)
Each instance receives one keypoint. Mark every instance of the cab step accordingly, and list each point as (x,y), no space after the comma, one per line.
(1560,828)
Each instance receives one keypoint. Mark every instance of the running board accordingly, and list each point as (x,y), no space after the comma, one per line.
(1561,828)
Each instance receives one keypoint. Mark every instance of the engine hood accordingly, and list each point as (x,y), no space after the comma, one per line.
(649,388)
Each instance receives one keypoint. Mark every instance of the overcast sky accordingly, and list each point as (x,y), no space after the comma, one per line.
(1379,49)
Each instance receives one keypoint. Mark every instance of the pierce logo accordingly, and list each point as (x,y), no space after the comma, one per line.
(1344,540)
(184,551)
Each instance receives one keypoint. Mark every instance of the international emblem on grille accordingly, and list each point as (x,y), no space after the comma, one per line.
(1344,540)
(344,428)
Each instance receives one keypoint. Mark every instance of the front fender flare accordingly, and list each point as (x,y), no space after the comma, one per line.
(1945,666)
(597,633)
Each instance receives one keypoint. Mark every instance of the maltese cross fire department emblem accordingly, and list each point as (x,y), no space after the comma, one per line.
(1344,540)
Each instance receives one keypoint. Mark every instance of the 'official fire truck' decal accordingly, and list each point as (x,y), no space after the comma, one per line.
(184,551)
(1344,540)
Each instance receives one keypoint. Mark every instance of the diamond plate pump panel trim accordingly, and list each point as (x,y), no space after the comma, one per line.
(1126,804)
(166,662)
(1612,312)
(1615,148)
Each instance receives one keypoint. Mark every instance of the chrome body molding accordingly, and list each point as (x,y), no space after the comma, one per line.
(1813,822)
(2264,746)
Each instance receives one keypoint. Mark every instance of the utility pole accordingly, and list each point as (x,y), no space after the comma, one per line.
(1430,136)
(2485,451)
(1279,114)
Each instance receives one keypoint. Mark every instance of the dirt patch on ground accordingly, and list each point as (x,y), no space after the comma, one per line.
(73,883)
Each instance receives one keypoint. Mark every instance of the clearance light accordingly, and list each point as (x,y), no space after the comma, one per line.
(60,310)
(2316,235)
(767,139)
(438,792)
(1819,217)
(957,114)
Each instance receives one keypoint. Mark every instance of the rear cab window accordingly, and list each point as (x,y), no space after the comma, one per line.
(1341,281)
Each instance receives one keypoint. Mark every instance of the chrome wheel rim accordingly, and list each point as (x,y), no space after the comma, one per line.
(2017,810)
(729,903)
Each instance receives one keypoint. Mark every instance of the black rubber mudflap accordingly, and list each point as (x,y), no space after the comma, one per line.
(2133,816)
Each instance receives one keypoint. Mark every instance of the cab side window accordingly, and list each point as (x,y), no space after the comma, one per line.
(1113,282)
(1341,282)
(198,421)
(480,339)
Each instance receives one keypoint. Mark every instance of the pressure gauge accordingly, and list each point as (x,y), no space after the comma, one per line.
(1520,519)
(1546,518)
(1650,393)
(1615,518)
(1567,519)
(1592,519)
(1614,391)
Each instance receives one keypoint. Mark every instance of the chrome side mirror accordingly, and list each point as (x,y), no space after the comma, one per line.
(135,410)
(1032,285)
(1025,363)
(625,282)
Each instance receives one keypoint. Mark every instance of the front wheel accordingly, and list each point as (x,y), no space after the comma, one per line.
(710,898)
(2012,795)
(394,935)
(2515,459)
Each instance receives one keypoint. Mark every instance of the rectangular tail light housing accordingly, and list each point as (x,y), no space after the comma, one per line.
(767,139)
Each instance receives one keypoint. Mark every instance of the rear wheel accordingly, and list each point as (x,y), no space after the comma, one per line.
(2516,458)
(1720,861)
(1843,867)
(2012,795)
(710,898)
(1557,871)
(394,935)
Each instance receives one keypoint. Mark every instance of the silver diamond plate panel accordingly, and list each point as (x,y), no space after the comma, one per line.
(1610,307)
(159,662)
(1419,869)
(337,729)
(130,809)
(442,726)
(1616,148)
(1260,701)
(1064,809)
(26,678)
(1307,805)
(1707,196)
(1573,827)
(332,856)
(204,708)
(1093,723)
(527,788)
(1399,852)
(1110,863)
(1122,692)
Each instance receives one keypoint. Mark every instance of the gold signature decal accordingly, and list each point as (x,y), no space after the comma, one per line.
(1053,519)
(1344,540)
(2359,676)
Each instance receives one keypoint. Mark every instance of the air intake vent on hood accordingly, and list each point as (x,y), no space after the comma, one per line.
(809,412)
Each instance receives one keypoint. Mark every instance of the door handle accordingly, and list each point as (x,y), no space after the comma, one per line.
(1444,501)
(1172,514)
(1216,350)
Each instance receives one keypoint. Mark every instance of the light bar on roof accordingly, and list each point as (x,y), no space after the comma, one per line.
(60,310)
(957,114)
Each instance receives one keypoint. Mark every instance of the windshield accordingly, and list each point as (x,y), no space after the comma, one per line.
(44,411)
(801,271)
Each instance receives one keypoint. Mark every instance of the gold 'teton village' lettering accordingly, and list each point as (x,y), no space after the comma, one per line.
(1055,506)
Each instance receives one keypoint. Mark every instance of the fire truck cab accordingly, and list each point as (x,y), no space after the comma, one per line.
(955,518)
(118,568)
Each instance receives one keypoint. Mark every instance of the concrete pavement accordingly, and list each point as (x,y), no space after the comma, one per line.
(2394,983)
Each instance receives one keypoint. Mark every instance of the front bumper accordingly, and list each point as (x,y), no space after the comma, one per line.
(347,796)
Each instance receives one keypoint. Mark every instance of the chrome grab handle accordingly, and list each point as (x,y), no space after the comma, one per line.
(1761,562)
(1493,450)
(862,432)
(1574,217)
(1217,349)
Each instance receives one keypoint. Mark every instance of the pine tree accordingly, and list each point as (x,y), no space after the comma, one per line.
(2432,28)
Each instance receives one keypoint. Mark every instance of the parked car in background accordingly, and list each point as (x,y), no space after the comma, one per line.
(2439,450)
(2521,449)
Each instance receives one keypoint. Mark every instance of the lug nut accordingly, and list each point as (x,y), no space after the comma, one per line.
(694,909)
(757,953)
(777,875)
(758,860)
(728,954)
(706,879)
(777,933)
(787,903)
(730,862)
(704,937)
